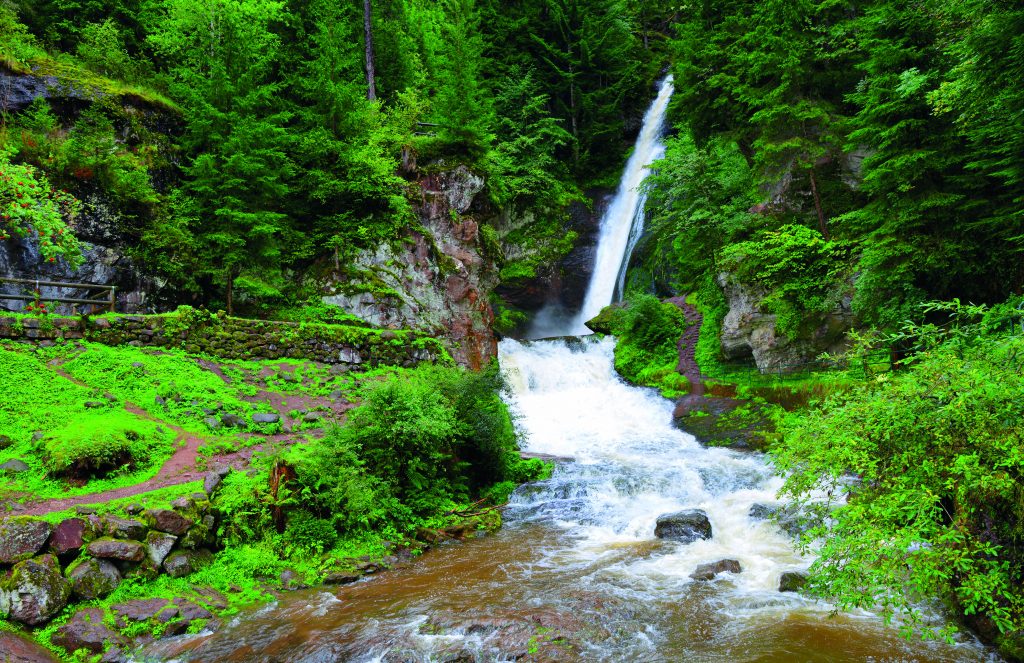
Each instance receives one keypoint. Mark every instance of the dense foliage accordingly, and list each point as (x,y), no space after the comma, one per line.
(882,129)
(273,147)
(914,479)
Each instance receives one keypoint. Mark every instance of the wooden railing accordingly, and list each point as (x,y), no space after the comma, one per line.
(97,296)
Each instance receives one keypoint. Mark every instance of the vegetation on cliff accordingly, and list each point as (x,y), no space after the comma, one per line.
(231,156)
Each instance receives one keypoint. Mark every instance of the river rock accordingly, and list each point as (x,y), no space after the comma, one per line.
(22,537)
(68,536)
(190,611)
(34,591)
(124,528)
(93,578)
(127,551)
(15,649)
(140,610)
(169,521)
(787,518)
(792,581)
(266,418)
(341,578)
(86,630)
(685,526)
(709,571)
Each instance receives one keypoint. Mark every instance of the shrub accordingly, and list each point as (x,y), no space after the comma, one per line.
(99,444)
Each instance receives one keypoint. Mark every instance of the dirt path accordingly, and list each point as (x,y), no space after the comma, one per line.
(181,467)
(688,345)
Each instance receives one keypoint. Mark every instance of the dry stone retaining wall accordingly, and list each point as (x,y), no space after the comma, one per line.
(235,338)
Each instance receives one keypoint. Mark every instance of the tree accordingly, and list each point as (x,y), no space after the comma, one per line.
(225,56)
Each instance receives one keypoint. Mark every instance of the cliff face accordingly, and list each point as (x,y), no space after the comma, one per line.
(436,279)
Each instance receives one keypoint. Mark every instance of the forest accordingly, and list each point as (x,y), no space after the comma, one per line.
(855,169)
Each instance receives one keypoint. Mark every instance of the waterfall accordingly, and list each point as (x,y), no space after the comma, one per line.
(620,227)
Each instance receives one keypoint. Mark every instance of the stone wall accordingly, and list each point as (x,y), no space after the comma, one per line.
(44,567)
(234,338)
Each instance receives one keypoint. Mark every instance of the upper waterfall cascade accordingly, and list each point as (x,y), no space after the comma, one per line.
(620,228)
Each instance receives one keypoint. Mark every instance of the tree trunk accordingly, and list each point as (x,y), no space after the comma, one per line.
(232,275)
(371,77)
(822,222)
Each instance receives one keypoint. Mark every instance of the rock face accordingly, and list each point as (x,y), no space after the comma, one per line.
(436,281)
(34,591)
(748,331)
(105,263)
(709,571)
(685,526)
(22,538)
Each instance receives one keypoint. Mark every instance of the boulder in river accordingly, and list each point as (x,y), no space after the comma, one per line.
(685,526)
(709,571)
(792,581)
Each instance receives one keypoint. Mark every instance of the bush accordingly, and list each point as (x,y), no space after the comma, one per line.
(647,350)
(938,505)
(100,444)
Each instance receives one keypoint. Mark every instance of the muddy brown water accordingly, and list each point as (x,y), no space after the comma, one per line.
(576,573)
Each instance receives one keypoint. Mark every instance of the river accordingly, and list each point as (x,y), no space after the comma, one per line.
(576,573)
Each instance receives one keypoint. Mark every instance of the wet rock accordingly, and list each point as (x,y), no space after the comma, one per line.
(684,526)
(788,519)
(86,631)
(22,537)
(762,512)
(602,322)
(106,548)
(140,610)
(341,578)
(212,597)
(709,571)
(14,466)
(93,578)
(15,649)
(123,528)
(169,521)
(266,418)
(158,546)
(35,591)
(792,581)
(190,611)
(292,580)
